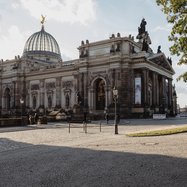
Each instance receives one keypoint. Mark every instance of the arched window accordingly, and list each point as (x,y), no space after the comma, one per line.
(7,98)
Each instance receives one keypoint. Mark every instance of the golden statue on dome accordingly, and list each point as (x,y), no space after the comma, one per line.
(42,20)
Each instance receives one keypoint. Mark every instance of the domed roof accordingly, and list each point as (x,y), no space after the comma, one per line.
(42,44)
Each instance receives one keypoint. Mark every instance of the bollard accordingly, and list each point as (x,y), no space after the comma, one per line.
(69,127)
(39,122)
(85,127)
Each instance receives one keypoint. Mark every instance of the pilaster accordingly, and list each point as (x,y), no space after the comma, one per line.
(41,101)
(169,93)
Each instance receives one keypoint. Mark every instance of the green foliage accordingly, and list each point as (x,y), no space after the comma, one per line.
(176,11)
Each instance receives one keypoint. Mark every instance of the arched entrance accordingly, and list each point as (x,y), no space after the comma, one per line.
(7,98)
(100,94)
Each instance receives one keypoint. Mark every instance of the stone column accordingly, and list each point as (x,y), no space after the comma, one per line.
(145,85)
(41,102)
(17,93)
(85,87)
(106,96)
(169,93)
(110,98)
(157,89)
(91,99)
(27,102)
(1,94)
(58,92)
(113,78)
(81,84)
(154,87)
(164,87)
(131,88)
(162,96)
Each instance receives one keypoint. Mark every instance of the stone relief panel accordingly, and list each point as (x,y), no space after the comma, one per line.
(50,85)
(67,84)
(34,86)
(34,93)
(99,50)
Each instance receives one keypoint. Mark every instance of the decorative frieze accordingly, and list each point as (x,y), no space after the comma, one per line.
(99,72)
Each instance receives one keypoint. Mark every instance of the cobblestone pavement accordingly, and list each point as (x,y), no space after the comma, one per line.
(48,155)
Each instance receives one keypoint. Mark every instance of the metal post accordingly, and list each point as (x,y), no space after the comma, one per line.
(21,115)
(100,126)
(69,127)
(115,95)
(116,125)
(85,127)
(21,102)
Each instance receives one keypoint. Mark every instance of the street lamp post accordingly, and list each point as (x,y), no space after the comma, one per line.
(21,102)
(115,95)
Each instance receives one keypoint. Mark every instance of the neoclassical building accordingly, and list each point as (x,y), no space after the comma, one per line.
(40,80)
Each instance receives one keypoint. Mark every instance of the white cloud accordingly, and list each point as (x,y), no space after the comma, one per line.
(166,28)
(70,11)
(181,98)
(13,43)
(15,5)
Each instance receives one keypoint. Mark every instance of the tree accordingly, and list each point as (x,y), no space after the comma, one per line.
(176,11)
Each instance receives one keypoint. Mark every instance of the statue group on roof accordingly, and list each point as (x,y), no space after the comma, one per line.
(143,35)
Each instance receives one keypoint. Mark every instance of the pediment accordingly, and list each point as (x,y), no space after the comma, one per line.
(161,60)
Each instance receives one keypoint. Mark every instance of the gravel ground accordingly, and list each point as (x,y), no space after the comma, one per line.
(48,155)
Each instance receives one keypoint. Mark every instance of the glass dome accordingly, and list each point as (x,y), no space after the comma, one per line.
(42,44)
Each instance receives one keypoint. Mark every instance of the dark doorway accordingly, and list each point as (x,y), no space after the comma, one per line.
(100,94)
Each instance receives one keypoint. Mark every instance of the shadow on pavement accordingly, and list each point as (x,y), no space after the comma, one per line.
(25,164)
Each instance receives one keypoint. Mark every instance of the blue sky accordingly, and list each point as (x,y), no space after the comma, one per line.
(71,21)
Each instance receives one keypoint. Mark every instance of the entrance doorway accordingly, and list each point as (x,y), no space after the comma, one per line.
(100,94)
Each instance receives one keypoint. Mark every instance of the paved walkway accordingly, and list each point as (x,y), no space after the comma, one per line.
(48,155)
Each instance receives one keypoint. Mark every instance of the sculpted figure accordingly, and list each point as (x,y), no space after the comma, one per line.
(42,19)
(159,49)
(141,29)
(142,25)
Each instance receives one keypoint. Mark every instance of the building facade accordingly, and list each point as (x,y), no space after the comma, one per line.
(41,81)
